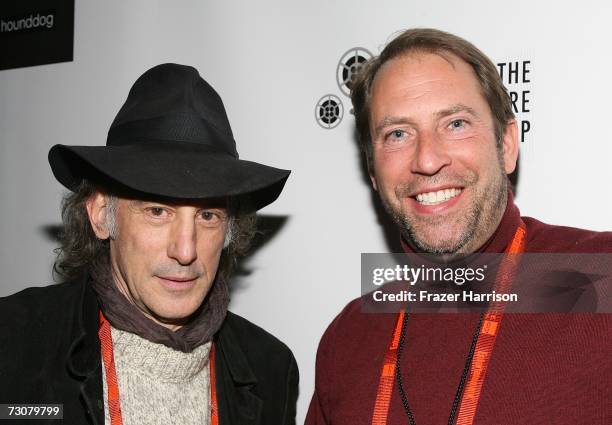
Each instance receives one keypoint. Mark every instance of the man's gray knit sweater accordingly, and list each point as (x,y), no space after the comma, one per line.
(159,385)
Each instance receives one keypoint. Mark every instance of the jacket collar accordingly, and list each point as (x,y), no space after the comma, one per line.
(236,383)
(83,360)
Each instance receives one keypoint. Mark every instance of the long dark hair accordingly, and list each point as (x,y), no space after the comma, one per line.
(81,249)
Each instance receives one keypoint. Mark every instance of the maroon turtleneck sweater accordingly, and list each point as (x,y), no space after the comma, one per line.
(545,368)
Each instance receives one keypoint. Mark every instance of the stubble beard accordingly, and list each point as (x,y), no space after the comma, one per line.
(477,224)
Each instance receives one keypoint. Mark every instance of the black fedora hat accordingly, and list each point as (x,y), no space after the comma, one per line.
(171,139)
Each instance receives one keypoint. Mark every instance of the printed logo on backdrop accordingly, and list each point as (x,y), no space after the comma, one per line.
(329,109)
(516,76)
(36,32)
(349,66)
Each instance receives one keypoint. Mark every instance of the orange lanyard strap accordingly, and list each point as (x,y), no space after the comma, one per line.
(214,412)
(487,331)
(114,405)
(106,342)
(385,386)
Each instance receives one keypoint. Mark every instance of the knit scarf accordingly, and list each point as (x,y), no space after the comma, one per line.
(124,315)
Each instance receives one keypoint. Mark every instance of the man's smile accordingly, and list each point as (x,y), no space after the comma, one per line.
(432,200)
(438,196)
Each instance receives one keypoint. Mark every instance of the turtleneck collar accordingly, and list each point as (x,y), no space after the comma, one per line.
(124,315)
(157,360)
(502,236)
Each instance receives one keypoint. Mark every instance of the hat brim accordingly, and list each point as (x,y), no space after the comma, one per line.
(170,170)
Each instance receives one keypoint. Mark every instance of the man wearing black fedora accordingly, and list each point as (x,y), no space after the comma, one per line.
(139,332)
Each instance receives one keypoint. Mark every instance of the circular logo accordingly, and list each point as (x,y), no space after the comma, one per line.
(329,111)
(350,64)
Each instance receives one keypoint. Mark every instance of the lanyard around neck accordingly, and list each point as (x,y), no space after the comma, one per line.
(114,404)
(483,350)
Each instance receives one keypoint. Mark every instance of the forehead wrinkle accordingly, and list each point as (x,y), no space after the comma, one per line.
(424,79)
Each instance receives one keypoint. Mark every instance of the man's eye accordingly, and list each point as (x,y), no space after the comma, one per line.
(210,217)
(396,135)
(457,124)
(156,211)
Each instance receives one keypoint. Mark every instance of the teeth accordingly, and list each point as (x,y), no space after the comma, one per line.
(434,198)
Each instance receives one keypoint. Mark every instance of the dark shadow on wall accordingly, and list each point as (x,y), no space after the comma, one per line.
(51,232)
(268,226)
(514,177)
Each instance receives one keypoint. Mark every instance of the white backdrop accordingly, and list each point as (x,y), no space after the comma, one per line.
(271,61)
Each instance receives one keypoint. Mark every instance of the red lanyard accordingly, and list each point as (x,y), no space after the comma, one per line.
(482,352)
(114,405)
(214,412)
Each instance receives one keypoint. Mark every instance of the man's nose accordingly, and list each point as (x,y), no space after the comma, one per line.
(430,155)
(182,244)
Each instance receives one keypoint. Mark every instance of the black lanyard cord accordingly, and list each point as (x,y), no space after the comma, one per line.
(464,374)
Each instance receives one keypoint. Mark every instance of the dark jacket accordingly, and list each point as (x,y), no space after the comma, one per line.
(50,354)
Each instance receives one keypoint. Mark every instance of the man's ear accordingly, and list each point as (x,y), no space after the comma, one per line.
(96,210)
(373,180)
(371,172)
(510,146)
